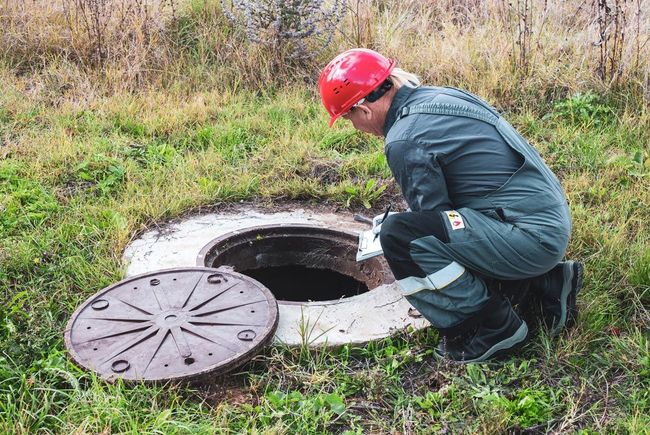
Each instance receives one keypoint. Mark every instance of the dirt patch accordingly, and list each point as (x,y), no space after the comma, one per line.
(73,188)
(230,389)
(326,172)
(419,378)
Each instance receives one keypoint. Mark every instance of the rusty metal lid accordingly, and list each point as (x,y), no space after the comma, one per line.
(172,325)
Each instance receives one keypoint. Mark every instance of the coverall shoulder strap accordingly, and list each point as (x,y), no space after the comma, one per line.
(450,110)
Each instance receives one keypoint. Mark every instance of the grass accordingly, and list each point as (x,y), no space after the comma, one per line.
(77,184)
(87,163)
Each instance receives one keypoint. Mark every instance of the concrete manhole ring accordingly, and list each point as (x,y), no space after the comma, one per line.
(363,303)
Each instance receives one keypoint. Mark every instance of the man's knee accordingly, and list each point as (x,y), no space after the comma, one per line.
(392,233)
(402,228)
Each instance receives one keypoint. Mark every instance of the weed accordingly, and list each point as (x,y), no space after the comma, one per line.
(584,109)
(636,165)
(366,193)
(130,127)
(106,173)
(531,407)
(152,154)
(432,403)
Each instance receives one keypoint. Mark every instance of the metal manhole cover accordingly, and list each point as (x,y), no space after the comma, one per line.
(175,324)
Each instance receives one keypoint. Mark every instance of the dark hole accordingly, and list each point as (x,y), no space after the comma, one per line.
(301,283)
(299,263)
(189,361)
(210,354)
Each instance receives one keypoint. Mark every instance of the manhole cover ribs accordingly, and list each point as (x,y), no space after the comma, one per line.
(175,324)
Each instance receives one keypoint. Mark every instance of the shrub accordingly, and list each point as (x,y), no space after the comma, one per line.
(297,30)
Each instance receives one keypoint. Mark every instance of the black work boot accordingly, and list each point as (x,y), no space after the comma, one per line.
(499,332)
(522,299)
(557,290)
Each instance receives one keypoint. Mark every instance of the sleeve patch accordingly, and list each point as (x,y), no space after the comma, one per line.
(455,220)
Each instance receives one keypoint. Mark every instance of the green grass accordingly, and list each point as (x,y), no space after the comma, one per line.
(85,166)
(79,180)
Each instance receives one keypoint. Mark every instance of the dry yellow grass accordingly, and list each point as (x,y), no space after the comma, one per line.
(476,44)
(500,49)
(123,40)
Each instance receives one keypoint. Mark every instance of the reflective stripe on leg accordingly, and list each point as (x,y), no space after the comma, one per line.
(435,281)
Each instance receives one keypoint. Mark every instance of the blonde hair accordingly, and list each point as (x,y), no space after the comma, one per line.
(399,77)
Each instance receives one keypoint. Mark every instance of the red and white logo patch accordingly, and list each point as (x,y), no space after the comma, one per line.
(455,219)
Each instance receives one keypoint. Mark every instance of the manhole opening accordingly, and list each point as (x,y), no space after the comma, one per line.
(289,283)
(298,263)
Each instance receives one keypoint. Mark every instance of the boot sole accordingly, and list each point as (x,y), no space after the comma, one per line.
(573,272)
(499,349)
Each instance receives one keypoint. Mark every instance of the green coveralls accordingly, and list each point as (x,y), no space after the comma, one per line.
(516,231)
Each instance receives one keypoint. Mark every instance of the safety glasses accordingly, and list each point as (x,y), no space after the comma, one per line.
(354,106)
(373,96)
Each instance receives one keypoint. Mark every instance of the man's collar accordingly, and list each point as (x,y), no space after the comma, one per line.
(399,99)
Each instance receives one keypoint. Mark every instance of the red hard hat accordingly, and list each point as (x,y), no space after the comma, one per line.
(351,76)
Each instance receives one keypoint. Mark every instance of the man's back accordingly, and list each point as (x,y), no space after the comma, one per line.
(438,160)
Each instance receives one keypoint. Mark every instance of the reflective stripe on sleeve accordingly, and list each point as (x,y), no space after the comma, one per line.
(436,281)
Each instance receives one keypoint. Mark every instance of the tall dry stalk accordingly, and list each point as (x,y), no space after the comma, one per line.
(642,34)
(524,31)
(529,19)
(611,19)
(359,30)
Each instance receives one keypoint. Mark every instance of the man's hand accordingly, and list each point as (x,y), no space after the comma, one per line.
(378,220)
